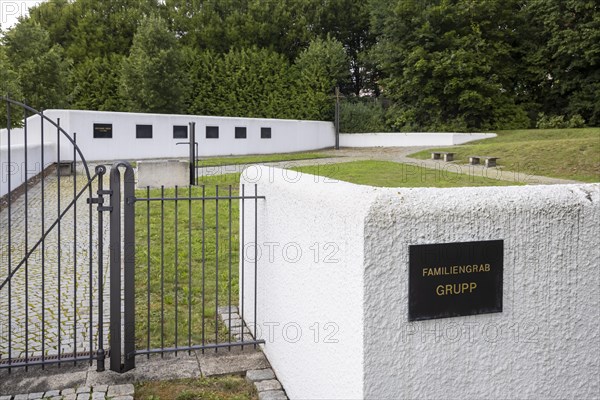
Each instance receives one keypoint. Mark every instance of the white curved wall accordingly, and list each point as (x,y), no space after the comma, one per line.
(406,139)
(543,345)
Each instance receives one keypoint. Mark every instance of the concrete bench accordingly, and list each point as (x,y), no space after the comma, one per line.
(489,161)
(436,155)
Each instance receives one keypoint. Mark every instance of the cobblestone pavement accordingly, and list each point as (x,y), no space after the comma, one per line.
(53,297)
(98,392)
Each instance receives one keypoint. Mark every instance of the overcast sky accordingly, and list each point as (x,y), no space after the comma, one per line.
(10,10)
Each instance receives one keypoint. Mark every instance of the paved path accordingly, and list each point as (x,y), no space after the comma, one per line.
(400,155)
(50,301)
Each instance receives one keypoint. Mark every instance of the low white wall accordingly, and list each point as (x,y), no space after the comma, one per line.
(310,280)
(286,135)
(20,171)
(409,139)
(544,344)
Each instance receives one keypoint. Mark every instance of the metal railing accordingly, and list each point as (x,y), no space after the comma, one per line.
(181,257)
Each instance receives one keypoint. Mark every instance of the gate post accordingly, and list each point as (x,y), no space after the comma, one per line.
(128,262)
(193,153)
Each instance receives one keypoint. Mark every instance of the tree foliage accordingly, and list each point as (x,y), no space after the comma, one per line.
(40,66)
(152,76)
(444,64)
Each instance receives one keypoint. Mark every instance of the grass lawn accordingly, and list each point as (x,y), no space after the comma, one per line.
(260,158)
(391,174)
(560,153)
(176,262)
(222,388)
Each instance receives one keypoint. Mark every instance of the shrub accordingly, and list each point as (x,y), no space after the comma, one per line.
(559,122)
(576,121)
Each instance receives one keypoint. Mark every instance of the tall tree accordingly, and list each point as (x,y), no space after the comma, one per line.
(95,84)
(9,85)
(449,64)
(563,57)
(250,82)
(348,22)
(321,67)
(152,76)
(41,67)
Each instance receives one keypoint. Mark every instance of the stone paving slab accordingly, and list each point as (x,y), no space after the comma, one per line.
(272,395)
(234,362)
(100,392)
(259,375)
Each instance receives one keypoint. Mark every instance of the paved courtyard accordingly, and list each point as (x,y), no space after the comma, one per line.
(54,295)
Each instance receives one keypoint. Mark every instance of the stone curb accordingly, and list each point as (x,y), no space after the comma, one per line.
(99,392)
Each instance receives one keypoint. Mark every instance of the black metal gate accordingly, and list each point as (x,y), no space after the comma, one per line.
(52,249)
(172,261)
(181,252)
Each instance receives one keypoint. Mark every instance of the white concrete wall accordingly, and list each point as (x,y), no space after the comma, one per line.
(311,281)
(286,135)
(405,139)
(543,345)
(20,171)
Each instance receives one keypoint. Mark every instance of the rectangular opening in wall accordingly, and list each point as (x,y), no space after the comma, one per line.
(265,133)
(180,132)
(143,131)
(102,131)
(212,132)
(240,132)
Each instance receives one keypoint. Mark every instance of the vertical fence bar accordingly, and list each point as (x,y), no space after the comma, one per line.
(25,139)
(243,257)
(43,225)
(255,256)
(162,270)
(148,277)
(217,267)
(58,250)
(101,170)
(176,265)
(91,273)
(74,246)
(203,264)
(9,173)
(189,268)
(229,301)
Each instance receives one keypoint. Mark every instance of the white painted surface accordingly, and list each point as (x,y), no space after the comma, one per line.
(409,139)
(286,135)
(167,173)
(18,170)
(298,291)
(545,343)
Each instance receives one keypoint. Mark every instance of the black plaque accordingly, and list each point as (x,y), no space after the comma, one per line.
(455,279)
(102,131)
